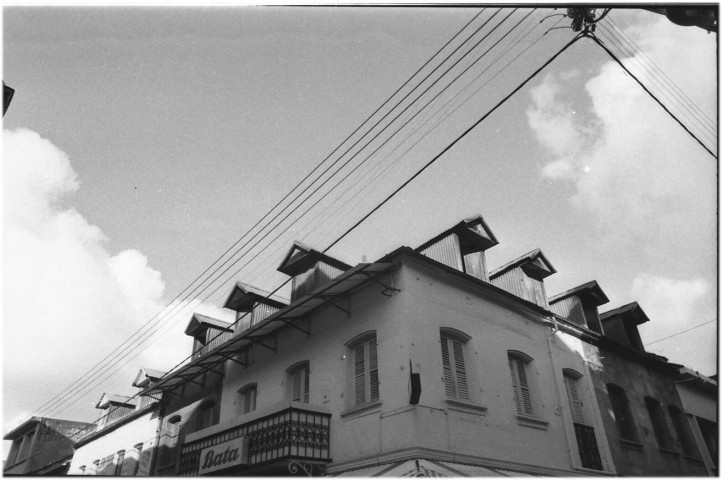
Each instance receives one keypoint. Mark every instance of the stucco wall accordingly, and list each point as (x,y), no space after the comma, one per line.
(407,330)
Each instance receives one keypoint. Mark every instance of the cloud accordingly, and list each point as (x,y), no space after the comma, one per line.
(672,306)
(68,300)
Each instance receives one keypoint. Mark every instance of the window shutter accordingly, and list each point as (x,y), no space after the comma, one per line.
(359,374)
(574,403)
(515,383)
(373,371)
(296,387)
(448,375)
(522,395)
(460,370)
(306,384)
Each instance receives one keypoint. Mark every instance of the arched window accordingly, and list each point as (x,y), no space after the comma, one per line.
(298,382)
(519,367)
(659,423)
(572,380)
(246,399)
(684,434)
(452,357)
(206,415)
(364,368)
(622,413)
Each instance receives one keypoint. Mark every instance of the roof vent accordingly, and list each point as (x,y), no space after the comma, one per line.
(621,325)
(579,305)
(524,277)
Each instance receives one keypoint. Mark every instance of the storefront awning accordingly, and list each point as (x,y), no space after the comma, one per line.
(343,285)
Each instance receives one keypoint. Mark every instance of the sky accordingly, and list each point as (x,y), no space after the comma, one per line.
(142,143)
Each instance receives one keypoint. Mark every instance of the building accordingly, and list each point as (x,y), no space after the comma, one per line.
(42,446)
(643,414)
(125,438)
(420,362)
(699,399)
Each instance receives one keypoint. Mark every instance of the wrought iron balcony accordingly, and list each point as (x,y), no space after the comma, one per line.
(588,449)
(292,433)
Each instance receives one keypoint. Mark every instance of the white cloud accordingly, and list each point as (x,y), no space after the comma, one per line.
(67,300)
(673,306)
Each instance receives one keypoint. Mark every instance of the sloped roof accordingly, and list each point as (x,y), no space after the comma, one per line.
(65,427)
(473,232)
(244,296)
(199,321)
(629,312)
(301,257)
(145,375)
(109,398)
(534,263)
(589,290)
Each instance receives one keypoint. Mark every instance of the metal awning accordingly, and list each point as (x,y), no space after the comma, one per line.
(342,285)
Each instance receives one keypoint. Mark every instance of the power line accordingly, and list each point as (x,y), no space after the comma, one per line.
(614,57)
(307,176)
(680,333)
(419,171)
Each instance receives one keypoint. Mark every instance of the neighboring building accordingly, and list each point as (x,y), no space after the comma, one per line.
(125,438)
(42,446)
(413,364)
(699,399)
(195,405)
(643,415)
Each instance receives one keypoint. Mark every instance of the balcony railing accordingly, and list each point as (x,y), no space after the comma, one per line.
(588,449)
(290,433)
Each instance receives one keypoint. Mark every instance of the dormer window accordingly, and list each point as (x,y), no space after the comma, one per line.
(579,305)
(310,269)
(115,406)
(208,333)
(253,303)
(462,247)
(621,325)
(524,277)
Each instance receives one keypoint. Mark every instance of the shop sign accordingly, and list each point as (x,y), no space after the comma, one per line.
(224,455)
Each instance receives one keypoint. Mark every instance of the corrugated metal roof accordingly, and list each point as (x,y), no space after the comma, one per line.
(473,232)
(631,310)
(107,398)
(535,256)
(591,289)
(198,320)
(145,375)
(301,257)
(243,296)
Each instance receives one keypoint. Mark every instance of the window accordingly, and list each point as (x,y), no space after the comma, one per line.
(364,369)
(246,399)
(82,469)
(571,382)
(522,394)
(96,467)
(172,431)
(452,356)
(298,379)
(139,448)
(206,415)
(119,462)
(659,424)
(684,434)
(622,414)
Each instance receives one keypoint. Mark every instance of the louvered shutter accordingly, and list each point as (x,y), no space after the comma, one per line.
(448,375)
(574,402)
(359,374)
(174,430)
(460,370)
(522,394)
(296,387)
(515,383)
(373,371)
(306,384)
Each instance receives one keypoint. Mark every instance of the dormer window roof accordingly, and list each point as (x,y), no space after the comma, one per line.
(534,264)
(589,292)
(474,235)
(630,314)
(200,323)
(301,257)
(243,297)
(147,376)
(114,399)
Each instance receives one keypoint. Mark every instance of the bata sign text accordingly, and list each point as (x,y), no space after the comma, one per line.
(224,455)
